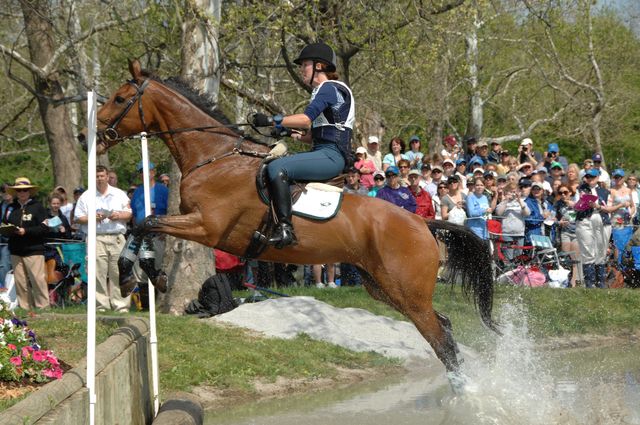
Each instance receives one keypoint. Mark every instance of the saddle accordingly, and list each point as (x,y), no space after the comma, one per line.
(298,188)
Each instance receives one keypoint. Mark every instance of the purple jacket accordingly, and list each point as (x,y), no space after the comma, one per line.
(402,197)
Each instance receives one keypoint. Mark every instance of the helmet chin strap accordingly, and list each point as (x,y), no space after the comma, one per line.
(313,73)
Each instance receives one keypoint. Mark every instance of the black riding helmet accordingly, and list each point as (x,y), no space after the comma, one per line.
(318,52)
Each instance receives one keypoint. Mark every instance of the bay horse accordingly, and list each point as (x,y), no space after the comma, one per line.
(394,249)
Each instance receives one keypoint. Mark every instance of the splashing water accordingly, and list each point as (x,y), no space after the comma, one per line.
(518,385)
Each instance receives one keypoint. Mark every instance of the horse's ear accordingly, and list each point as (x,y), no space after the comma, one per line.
(135,69)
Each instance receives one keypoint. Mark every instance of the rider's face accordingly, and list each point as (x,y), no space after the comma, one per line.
(306,71)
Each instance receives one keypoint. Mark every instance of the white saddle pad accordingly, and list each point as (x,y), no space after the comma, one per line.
(317,203)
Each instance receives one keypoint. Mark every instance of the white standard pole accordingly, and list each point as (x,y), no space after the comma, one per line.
(91,255)
(152,292)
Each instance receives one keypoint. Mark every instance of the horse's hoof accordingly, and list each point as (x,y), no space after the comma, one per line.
(458,382)
(127,286)
(160,282)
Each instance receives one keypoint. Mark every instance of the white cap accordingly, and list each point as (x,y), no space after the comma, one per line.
(526,141)
(361,149)
(448,161)
(478,170)
(374,139)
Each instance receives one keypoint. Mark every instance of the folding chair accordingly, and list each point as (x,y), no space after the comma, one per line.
(503,266)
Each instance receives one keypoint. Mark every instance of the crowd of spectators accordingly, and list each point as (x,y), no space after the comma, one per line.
(534,191)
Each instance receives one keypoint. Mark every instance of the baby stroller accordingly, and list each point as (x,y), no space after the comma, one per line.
(64,279)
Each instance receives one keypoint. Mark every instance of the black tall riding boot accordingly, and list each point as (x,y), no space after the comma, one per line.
(281,200)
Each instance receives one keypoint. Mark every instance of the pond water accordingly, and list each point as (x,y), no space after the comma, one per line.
(512,383)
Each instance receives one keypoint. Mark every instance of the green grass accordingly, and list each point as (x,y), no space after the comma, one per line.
(193,352)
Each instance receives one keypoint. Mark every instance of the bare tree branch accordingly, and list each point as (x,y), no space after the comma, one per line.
(252,97)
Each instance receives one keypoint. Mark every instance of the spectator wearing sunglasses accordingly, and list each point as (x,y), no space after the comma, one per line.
(26,245)
(378,183)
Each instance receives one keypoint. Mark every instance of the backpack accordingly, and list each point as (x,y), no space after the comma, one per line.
(214,297)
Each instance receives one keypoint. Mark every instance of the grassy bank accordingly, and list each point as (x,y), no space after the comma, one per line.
(193,353)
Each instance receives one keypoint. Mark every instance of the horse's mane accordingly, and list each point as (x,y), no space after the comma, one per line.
(200,100)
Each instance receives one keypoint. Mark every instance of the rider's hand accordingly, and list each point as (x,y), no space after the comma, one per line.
(261,120)
(278,150)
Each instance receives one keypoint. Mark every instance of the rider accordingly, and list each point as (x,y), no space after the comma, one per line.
(331,116)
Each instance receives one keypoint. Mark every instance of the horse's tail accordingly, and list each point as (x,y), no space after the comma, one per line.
(469,262)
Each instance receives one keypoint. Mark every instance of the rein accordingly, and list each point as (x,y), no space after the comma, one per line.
(111,134)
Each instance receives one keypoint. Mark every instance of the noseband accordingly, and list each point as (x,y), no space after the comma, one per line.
(110,133)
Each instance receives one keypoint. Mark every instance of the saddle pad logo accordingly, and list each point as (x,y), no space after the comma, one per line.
(317,203)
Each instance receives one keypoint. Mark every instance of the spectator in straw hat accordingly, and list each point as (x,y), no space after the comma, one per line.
(26,245)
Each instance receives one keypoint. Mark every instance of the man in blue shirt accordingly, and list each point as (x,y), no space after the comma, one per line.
(159,196)
(396,194)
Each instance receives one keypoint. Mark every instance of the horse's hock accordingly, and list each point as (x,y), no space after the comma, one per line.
(123,386)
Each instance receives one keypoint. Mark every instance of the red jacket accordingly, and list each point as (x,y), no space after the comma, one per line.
(425,204)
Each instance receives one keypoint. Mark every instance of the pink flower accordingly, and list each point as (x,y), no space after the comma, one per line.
(25,352)
(11,347)
(16,361)
(39,356)
(53,373)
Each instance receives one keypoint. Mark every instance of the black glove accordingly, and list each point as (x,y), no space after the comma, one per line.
(280,132)
(261,120)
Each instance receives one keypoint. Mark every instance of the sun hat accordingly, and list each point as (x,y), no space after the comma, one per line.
(437,167)
(537,184)
(415,172)
(448,161)
(378,173)
(490,173)
(618,172)
(373,139)
(592,172)
(392,170)
(524,183)
(543,170)
(139,166)
(450,140)
(502,177)
(461,161)
(482,143)
(78,189)
(553,147)
(414,137)
(526,141)
(21,183)
(556,164)
(476,160)
(361,149)
(478,170)
(596,157)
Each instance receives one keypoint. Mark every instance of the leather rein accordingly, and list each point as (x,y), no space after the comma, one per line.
(111,134)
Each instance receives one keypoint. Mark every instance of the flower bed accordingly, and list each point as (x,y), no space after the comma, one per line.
(21,357)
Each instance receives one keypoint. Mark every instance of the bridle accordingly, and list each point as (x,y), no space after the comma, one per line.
(110,133)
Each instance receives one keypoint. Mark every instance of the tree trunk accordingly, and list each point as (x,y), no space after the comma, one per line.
(476,117)
(55,119)
(188,263)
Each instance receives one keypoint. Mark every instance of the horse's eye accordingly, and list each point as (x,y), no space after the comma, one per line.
(119,99)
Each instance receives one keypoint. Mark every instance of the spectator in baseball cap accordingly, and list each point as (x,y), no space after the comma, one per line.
(604,177)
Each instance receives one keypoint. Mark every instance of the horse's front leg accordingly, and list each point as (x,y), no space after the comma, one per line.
(140,247)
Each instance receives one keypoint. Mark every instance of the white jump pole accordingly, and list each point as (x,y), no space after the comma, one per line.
(91,253)
(152,292)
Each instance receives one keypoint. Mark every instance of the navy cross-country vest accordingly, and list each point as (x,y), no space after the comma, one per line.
(335,123)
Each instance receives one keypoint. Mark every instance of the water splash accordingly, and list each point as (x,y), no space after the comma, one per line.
(518,384)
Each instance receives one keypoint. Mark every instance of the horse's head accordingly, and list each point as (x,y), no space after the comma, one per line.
(124,113)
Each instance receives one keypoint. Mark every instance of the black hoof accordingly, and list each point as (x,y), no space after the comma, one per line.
(161,282)
(127,285)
